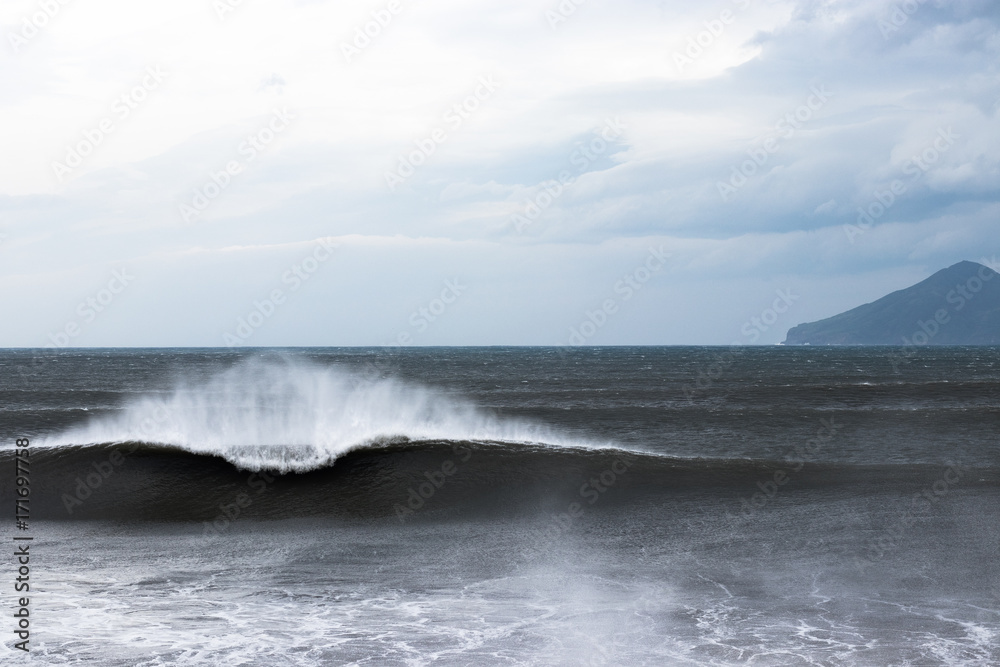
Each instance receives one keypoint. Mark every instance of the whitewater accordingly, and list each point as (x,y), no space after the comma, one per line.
(286,414)
(508,506)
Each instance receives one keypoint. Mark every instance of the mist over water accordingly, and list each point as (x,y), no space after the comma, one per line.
(685,545)
(291,414)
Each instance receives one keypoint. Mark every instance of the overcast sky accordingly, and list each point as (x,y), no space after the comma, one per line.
(304,172)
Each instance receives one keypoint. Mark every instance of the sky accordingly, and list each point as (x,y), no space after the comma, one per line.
(505,172)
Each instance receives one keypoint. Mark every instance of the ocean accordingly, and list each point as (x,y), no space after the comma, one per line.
(503,506)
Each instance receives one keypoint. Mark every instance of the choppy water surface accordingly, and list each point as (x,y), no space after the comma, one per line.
(511,506)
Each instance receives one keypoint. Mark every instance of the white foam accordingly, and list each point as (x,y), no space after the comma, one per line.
(290,414)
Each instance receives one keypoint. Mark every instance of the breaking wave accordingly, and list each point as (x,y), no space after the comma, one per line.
(289,415)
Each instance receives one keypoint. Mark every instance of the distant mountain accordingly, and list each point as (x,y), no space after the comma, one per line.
(959,305)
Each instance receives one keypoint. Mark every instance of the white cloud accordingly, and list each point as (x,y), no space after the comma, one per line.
(687,128)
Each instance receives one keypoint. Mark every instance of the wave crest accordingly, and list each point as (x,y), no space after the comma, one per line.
(288,414)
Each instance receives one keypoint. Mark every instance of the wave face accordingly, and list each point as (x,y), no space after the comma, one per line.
(287,414)
(428,480)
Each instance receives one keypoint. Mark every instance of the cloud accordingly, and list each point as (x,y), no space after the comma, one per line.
(751,161)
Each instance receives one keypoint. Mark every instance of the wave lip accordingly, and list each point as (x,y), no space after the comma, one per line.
(288,415)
